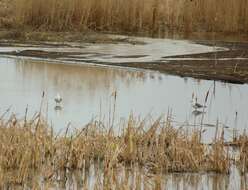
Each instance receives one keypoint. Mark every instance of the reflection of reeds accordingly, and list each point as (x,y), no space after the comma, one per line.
(242,143)
(31,147)
(154,16)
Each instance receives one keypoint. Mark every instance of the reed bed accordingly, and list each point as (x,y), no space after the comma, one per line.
(155,17)
(31,149)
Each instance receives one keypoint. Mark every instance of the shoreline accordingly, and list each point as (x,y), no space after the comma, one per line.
(228,66)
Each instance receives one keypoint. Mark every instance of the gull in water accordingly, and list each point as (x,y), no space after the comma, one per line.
(198,106)
(58,100)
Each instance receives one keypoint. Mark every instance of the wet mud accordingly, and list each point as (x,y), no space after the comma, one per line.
(229,65)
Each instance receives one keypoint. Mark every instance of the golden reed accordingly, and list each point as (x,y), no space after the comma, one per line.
(134,16)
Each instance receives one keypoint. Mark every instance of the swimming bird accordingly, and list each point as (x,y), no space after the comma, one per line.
(198,106)
(58,99)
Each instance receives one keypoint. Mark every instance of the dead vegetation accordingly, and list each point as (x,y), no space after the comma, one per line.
(155,17)
(31,149)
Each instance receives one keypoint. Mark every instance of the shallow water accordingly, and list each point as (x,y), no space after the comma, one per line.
(93,178)
(87,92)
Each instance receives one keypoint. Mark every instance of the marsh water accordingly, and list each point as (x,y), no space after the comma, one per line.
(93,178)
(87,89)
(88,92)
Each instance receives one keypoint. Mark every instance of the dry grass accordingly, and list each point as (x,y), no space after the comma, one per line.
(156,17)
(6,14)
(241,143)
(30,148)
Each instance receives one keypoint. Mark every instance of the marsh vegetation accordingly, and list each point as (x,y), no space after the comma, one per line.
(126,152)
(32,153)
(155,17)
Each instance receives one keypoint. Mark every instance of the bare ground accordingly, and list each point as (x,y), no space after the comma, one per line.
(229,66)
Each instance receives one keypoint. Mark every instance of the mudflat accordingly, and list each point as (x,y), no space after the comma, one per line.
(228,63)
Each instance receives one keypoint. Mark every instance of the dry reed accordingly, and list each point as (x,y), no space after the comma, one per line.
(31,148)
(155,17)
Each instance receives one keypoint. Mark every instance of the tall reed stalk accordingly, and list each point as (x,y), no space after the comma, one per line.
(149,16)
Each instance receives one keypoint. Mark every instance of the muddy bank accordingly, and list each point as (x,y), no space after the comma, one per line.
(226,61)
(10,37)
(229,66)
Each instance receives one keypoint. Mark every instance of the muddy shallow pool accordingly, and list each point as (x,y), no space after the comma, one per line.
(87,92)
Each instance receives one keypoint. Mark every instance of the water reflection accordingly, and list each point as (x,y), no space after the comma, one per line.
(94,178)
(86,92)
